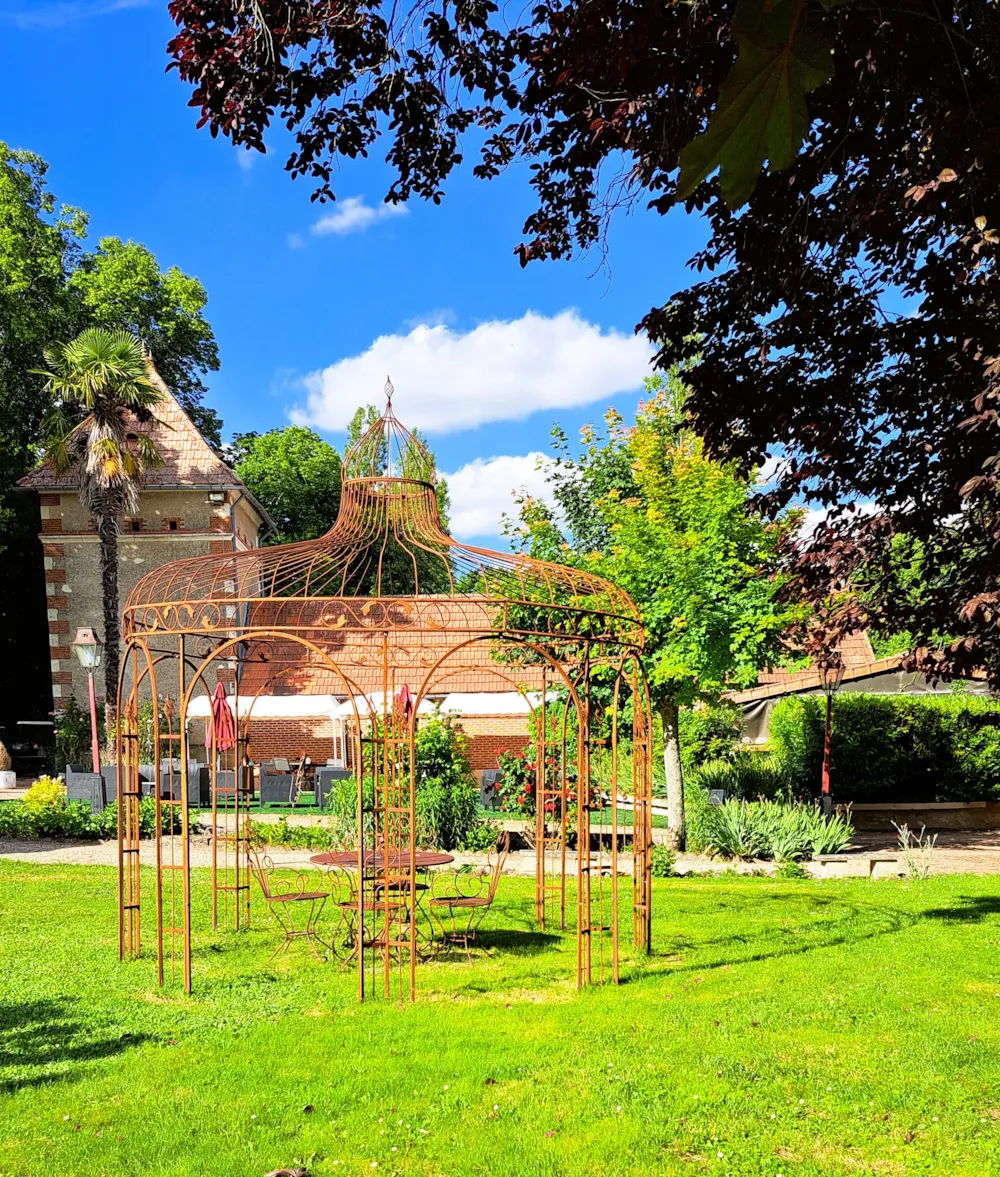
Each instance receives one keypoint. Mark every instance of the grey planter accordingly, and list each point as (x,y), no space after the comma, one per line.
(224,785)
(322,779)
(199,785)
(109,774)
(85,786)
(276,787)
(488,788)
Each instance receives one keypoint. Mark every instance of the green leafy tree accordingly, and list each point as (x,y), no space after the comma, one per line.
(50,290)
(103,374)
(39,246)
(295,474)
(648,509)
(120,285)
(401,563)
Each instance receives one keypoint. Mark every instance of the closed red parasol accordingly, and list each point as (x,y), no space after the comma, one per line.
(222,720)
(402,704)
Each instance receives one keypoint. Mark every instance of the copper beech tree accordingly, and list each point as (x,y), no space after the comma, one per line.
(843,316)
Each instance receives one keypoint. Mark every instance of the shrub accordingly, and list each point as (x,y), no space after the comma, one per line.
(892,748)
(45,793)
(446,801)
(4,758)
(73,820)
(791,870)
(71,731)
(749,775)
(696,814)
(662,862)
(710,734)
(769,829)
(280,833)
(516,787)
(447,796)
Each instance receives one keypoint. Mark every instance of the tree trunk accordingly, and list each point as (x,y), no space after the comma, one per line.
(672,769)
(107,530)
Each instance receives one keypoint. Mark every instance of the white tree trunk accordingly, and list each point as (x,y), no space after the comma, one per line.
(672,769)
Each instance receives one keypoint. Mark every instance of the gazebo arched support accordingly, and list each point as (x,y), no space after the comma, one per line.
(387,601)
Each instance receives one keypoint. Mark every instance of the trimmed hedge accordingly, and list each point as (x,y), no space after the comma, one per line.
(892,748)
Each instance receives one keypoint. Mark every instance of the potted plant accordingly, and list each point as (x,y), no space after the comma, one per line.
(8,778)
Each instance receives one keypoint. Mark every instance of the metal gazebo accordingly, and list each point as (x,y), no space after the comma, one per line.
(387,604)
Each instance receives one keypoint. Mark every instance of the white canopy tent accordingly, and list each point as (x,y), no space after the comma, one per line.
(342,711)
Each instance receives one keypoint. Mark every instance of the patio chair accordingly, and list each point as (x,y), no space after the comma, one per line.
(294,907)
(460,899)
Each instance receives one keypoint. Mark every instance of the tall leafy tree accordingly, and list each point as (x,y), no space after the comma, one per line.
(120,285)
(646,507)
(843,314)
(295,474)
(51,288)
(103,374)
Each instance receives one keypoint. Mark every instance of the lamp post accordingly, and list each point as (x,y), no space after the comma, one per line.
(830,677)
(89,648)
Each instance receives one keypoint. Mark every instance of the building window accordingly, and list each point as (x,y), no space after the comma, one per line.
(173,524)
(135,525)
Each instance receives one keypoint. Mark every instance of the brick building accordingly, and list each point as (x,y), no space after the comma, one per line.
(193,505)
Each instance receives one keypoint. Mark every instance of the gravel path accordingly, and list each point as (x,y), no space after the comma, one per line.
(973,852)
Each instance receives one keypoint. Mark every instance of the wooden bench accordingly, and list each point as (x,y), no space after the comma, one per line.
(864,866)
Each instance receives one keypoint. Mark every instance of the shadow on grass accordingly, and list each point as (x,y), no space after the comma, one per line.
(852,923)
(41,1043)
(973,910)
(511,942)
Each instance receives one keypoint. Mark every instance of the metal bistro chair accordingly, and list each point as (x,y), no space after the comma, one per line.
(282,897)
(459,912)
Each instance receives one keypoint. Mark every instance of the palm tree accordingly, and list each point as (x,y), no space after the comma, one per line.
(103,374)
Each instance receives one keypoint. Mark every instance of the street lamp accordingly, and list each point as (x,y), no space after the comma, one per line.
(830,678)
(89,648)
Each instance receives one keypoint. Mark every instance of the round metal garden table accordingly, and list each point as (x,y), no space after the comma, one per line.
(424,859)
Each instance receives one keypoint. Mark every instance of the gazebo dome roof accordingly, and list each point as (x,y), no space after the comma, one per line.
(386,563)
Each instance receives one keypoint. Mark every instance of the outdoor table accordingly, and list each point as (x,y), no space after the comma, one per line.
(424,859)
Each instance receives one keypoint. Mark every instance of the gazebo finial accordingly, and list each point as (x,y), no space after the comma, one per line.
(388,390)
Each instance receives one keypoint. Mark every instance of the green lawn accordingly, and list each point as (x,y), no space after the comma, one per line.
(791,1028)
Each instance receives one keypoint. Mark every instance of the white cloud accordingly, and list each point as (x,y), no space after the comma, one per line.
(245,159)
(63,12)
(448,380)
(482,491)
(814,516)
(295,240)
(352,215)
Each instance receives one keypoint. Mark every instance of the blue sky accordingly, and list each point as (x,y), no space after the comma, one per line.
(485,356)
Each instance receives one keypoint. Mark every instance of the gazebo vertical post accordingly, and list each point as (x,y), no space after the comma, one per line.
(614,828)
(214,785)
(359,929)
(583,913)
(540,840)
(185,827)
(412,827)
